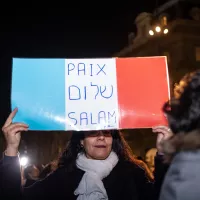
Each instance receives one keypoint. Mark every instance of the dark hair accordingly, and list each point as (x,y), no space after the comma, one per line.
(119,146)
(183,113)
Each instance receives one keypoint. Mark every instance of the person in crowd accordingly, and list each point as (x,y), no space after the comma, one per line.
(183,149)
(149,158)
(30,175)
(95,165)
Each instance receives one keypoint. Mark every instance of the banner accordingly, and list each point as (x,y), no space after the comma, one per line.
(90,94)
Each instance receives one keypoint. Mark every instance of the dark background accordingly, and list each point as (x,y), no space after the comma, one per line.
(61,30)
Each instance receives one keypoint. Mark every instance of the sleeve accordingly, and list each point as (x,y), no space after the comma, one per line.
(182,178)
(10,177)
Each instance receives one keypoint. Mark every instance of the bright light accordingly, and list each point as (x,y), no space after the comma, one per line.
(166,31)
(151,32)
(23,161)
(158,29)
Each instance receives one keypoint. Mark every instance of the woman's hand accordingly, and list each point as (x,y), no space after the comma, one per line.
(12,132)
(164,133)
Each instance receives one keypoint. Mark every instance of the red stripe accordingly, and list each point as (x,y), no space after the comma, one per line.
(142,90)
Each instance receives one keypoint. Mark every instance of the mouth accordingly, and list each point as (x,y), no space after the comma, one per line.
(100,146)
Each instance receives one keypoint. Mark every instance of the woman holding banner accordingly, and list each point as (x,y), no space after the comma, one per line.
(96,165)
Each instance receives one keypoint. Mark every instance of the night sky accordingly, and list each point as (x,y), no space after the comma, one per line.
(85,31)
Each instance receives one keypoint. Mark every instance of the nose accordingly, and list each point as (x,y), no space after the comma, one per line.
(101,135)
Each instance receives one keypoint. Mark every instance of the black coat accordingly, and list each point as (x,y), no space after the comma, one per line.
(126,181)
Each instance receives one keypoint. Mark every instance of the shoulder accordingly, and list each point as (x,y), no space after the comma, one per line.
(62,178)
(184,173)
(186,156)
(185,165)
(63,172)
(137,168)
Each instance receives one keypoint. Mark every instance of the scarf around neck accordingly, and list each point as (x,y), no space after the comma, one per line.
(91,186)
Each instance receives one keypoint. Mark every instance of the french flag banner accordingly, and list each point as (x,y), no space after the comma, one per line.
(90,94)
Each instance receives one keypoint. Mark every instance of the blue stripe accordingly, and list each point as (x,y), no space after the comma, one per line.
(38,90)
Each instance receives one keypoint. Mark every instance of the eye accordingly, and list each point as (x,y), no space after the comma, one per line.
(91,133)
(106,133)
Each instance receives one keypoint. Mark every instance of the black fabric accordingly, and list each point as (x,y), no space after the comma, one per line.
(10,177)
(126,181)
(29,182)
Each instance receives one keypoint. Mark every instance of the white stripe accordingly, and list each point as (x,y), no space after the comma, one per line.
(92,105)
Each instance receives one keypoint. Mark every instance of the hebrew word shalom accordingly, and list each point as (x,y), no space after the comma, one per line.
(89,94)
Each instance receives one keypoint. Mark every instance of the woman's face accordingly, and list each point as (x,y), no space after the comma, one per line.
(97,144)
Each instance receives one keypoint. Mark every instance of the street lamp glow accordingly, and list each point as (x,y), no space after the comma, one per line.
(158,29)
(166,31)
(151,32)
(23,161)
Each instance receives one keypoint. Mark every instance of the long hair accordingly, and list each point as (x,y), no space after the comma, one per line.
(119,146)
(183,113)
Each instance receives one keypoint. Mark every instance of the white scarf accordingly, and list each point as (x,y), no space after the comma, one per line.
(91,186)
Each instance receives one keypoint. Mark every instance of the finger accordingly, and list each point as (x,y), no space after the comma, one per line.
(163,131)
(160,127)
(10,117)
(160,136)
(14,125)
(20,124)
(164,134)
(16,130)
(6,129)
(165,128)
